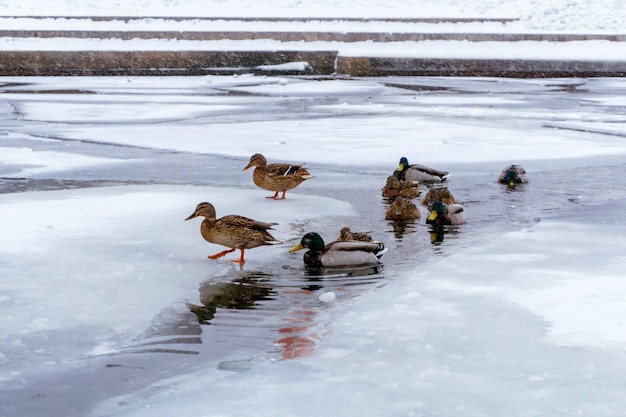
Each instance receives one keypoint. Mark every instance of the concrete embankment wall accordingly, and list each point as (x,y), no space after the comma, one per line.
(277,62)
(98,63)
(141,63)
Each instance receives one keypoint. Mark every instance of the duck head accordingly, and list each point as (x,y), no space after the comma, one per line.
(404,163)
(311,241)
(203,209)
(511,178)
(256,160)
(436,209)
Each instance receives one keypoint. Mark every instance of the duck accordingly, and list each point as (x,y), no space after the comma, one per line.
(402,209)
(438,193)
(340,253)
(276,177)
(394,187)
(232,231)
(442,214)
(417,172)
(512,175)
(346,234)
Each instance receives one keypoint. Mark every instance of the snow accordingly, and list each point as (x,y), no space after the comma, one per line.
(520,312)
(573,15)
(526,17)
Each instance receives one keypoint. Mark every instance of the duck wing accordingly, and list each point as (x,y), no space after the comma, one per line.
(244,222)
(456,214)
(284,170)
(351,253)
(429,170)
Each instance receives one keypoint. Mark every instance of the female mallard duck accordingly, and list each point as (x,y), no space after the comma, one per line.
(417,172)
(346,234)
(442,214)
(402,209)
(235,232)
(394,188)
(339,252)
(438,193)
(276,177)
(512,175)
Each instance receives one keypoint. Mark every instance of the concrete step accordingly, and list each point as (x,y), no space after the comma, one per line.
(302,19)
(310,36)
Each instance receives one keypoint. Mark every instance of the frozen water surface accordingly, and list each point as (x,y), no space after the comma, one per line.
(111,308)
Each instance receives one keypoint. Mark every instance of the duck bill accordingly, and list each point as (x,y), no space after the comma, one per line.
(193,216)
(512,184)
(401,167)
(433,215)
(247,166)
(296,248)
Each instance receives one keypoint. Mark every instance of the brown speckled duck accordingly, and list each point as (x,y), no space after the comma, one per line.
(276,177)
(394,188)
(346,234)
(235,232)
(438,193)
(402,209)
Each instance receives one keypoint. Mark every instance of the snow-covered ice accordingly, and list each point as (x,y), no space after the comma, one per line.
(519,311)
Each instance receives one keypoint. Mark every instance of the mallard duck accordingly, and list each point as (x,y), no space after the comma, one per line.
(402,209)
(512,175)
(346,234)
(417,172)
(438,193)
(235,232)
(339,252)
(442,214)
(394,187)
(276,177)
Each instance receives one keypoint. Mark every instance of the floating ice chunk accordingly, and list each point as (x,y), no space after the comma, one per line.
(327,297)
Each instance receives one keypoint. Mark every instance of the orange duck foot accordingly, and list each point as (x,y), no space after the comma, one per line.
(275,196)
(220,254)
(239,261)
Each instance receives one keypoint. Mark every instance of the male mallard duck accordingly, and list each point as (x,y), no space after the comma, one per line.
(446,214)
(346,234)
(417,172)
(339,252)
(438,193)
(402,209)
(394,187)
(276,177)
(235,232)
(513,174)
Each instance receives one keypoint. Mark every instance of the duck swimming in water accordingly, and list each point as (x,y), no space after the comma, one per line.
(512,175)
(417,172)
(346,234)
(402,209)
(394,188)
(338,253)
(442,214)
(438,193)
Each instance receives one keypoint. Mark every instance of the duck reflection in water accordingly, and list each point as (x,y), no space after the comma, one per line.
(402,227)
(437,234)
(239,295)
